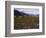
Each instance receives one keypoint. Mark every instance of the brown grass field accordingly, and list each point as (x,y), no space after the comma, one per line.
(26,22)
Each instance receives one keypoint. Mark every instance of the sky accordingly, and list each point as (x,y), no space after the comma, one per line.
(28,10)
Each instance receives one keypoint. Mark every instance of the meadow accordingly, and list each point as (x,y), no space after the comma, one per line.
(26,22)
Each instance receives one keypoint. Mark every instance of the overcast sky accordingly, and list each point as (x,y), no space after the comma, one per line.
(28,10)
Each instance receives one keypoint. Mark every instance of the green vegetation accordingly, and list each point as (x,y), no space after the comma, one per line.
(26,22)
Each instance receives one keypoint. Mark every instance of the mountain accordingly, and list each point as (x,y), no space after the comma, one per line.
(18,13)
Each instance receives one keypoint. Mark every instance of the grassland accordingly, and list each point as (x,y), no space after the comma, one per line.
(26,22)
